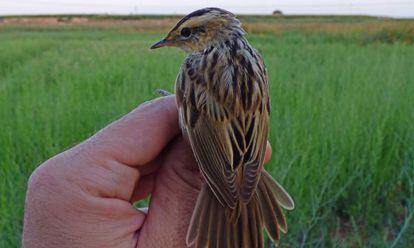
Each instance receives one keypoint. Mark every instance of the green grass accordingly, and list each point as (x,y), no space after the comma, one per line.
(342,122)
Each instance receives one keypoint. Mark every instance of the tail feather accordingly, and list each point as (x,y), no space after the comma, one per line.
(194,223)
(269,216)
(281,221)
(221,231)
(207,224)
(199,217)
(279,193)
(228,234)
(213,225)
(256,223)
(245,227)
(259,224)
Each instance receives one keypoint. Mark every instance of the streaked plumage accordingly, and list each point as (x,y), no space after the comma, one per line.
(223,102)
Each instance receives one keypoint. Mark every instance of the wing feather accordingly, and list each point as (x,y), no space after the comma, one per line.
(227,130)
(214,158)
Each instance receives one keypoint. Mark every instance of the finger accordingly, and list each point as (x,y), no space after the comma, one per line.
(145,184)
(151,167)
(138,137)
(108,179)
(268,152)
(128,182)
(144,187)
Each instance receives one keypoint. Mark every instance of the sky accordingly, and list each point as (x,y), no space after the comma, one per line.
(390,8)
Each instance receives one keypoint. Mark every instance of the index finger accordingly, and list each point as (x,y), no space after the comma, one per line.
(138,137)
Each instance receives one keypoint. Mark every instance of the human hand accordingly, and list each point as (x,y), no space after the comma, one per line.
(83,197)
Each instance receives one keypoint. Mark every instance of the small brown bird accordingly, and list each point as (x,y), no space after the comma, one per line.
(223,103)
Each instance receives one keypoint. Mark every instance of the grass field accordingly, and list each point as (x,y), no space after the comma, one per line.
(342,124)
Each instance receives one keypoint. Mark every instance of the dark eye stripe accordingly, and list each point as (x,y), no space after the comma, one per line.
(199,30)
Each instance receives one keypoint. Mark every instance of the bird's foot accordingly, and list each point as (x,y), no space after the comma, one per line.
(163,92)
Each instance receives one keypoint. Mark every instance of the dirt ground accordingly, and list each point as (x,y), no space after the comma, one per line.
(135,24)
(261,25)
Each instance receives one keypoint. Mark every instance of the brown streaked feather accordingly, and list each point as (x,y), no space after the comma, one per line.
(244,226)
(281,196)
(211,226)
(212,234)
(221,229)
(208,143)
(201,219)
(259,220)
(253,163)
(200,216)
(253,230)
(231,235)
(269,217)
(225,137)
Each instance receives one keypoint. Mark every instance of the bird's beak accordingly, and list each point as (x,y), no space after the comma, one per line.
(161,43)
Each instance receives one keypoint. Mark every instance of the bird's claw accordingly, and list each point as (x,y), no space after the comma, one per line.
(163,92)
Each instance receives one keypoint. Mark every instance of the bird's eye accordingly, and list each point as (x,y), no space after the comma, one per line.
(185,32)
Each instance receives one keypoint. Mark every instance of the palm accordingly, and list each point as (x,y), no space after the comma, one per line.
(174,193)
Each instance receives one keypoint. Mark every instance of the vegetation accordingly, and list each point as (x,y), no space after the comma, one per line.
(341,127)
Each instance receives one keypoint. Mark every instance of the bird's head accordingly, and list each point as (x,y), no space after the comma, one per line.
(201,29)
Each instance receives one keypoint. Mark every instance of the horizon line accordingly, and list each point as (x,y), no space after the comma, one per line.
(179,14)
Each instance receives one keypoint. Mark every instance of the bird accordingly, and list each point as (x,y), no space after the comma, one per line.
(222,96)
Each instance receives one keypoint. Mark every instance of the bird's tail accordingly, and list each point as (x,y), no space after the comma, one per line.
(213,225)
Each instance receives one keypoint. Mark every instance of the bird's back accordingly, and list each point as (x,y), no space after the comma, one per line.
(222,94)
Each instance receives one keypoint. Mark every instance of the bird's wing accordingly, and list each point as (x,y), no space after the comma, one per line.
(257,109)
(227,126)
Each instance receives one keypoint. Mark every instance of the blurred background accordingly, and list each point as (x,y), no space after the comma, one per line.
(342,85)
(394,8)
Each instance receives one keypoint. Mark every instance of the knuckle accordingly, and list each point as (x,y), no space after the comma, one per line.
(40,177)
(44,178)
